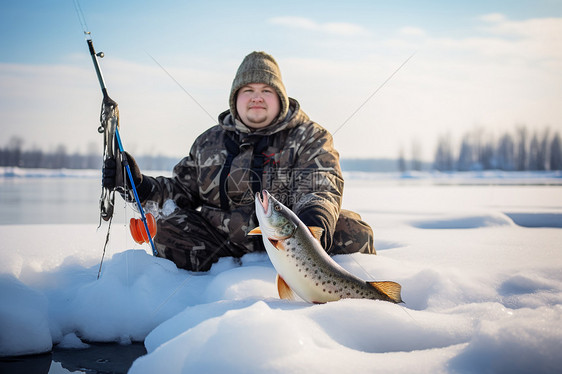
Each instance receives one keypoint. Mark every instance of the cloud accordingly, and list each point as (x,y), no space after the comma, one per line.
(504,72)
(492,17)
(332,28)
(49,105)
(547,28)
(536,38)
(501,74)
(412,31)
(533,44)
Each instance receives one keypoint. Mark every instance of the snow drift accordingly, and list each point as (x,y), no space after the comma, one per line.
(482,291)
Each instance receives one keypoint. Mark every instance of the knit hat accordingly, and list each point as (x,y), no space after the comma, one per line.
(259,67)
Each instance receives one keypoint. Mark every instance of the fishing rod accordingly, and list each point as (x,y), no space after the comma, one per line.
(113,147)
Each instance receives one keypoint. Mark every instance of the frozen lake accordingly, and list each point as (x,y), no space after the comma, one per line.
(478,257)
(54,197)
(49,200)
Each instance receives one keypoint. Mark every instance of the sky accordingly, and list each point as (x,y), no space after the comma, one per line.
(453,66)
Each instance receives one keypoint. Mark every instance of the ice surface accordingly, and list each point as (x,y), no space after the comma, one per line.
(482,291)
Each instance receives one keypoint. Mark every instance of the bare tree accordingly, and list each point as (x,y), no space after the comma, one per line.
(60,158)
(94,156)
(14,151)
(521,160)
(534,162)
(444,154)
(416,155)
(32,158)
(544,149)
(466,155)
(402,161)
(487,160)
(555,153)
(506,153)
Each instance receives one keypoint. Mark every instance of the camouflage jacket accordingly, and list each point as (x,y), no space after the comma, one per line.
(294,159)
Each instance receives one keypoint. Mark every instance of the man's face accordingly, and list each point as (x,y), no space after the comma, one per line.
(257,105)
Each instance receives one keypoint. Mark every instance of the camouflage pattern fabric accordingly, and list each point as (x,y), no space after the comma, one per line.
(192,243)
(352,235)
(299,166)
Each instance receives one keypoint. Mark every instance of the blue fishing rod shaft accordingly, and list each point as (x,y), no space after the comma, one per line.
(125,162)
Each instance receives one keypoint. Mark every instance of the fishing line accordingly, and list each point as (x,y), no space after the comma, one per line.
(180,86)
(181,285)
(83,23)
(356,111)
(113,148)
(109,231)
(81,17)
(369,276)
(84,26)
(105,244)
(406,311)
(373,94)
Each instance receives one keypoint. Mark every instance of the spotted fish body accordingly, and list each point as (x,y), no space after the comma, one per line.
(303,266)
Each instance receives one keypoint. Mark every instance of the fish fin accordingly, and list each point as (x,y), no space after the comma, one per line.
(256,231)
(285,292)
(389,289)
(316,231)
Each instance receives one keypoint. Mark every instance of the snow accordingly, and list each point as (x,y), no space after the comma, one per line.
(17,172)
(71,341)
(479,260)
(24,323)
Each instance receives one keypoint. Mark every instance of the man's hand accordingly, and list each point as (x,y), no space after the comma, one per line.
(109,172)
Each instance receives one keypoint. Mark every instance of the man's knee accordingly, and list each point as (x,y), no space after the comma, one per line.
(352,235)
(186,239)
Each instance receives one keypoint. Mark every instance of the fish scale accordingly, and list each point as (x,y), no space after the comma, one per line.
(303,266)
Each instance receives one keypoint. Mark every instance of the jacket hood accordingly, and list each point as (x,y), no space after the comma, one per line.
(294,117)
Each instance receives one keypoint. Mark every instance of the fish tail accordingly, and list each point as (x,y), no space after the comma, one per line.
(388,289)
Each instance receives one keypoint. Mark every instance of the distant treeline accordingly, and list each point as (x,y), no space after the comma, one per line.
(14,154)
(521,150)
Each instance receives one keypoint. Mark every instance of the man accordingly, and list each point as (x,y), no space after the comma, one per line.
(264,141)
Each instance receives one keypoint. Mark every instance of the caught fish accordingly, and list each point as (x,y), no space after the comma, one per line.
(303,266)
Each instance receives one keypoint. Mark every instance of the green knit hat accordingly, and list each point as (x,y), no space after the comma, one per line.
(259,67)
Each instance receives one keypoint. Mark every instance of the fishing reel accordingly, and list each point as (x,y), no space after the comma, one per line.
(138,230)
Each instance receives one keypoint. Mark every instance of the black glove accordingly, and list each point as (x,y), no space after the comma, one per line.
(113,174)
(112,177)
(318,218)
(108,173)
(135,171)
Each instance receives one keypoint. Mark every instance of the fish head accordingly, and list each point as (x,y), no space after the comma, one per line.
(276,220)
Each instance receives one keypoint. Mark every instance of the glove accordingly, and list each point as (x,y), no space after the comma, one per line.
(135,171)
(314,216)
(110,176)
(108,173)
(113,174)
